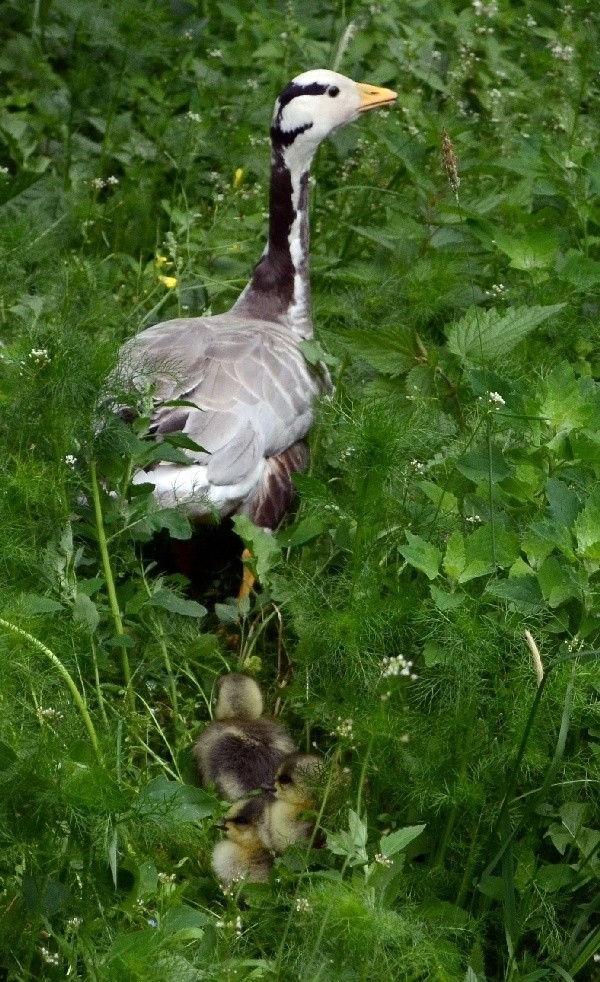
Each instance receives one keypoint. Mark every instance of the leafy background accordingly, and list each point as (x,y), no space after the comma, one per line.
(453,501)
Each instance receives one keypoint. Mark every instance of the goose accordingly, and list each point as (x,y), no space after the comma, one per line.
(237,383)
(283,819)
(242,855)
(241,750)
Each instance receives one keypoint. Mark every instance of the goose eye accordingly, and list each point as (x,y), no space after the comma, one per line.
(333,91)
(240,820)
(284,779)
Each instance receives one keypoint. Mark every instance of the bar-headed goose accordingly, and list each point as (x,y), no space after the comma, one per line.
(245,393)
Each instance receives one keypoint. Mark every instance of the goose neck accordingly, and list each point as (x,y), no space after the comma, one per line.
(280,286)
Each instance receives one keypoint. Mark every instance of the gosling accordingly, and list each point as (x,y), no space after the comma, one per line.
(284,820)
(241,750)
(243,855)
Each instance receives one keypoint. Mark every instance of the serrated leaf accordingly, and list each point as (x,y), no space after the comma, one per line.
(166,801)
(397,841)
(85,612)
(172,602)
(455,558)
(174,521)
(579,271)
(523,593)
(568,403)
(391,350)
(422,555)
(486,335)
(587,528)
(265,550)
(32,604)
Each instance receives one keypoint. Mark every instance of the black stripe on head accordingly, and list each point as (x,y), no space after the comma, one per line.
(293,90)
(285,138)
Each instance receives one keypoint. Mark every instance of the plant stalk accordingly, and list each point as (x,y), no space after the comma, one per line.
(77,696)
(110,582)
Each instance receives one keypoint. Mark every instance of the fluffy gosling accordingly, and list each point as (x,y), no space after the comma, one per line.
(242,855)
(241,750)
(283,820)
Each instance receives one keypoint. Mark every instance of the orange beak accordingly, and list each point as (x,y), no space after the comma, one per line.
(372,96)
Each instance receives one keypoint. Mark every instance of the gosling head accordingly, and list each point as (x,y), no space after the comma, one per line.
(297,779)
(238,696)
(243,821)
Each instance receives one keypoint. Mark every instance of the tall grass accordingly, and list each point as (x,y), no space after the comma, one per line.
(452,503)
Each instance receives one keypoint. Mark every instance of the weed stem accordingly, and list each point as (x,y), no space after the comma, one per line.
(110,582)
(77,696)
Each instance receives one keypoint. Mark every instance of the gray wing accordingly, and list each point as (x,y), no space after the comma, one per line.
(250,383)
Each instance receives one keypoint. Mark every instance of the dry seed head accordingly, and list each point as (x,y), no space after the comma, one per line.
(450,160)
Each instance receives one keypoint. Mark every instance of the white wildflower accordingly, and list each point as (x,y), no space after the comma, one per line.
(70,460)
(112,180)
(386,861)
(98,183)
(194,117)
(496,399)
(302,906)
(562,52)
(52,715)
(215,53)
(40,356)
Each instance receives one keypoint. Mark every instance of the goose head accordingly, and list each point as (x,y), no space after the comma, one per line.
(243,820)
(297,779)
(316,103)
(238,696)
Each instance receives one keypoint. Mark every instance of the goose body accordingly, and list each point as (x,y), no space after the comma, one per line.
(283,819)
(242,855)
(248,390)
(241,750)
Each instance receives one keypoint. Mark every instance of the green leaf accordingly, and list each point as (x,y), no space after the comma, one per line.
(165,801)
(567,402)
(171,601)
(563,502)
(522,593)
(185,922)
(32,604)
(579,271)
(395,842)
(537,250)
(455,558)
(174,521)
(422,555)
(445,601)
(486,335)
(391,350)
(265,550)
(304,531)
(551,878)
(587,528)
(85,612)
(444,500)
(558,582)
(484,464)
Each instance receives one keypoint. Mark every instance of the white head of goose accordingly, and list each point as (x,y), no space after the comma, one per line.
(247,389)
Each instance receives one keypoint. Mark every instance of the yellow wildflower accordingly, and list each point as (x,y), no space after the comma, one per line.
(161,260)
(238,177)
(169,281)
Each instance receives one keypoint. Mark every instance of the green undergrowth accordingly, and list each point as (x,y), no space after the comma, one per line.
(452,503)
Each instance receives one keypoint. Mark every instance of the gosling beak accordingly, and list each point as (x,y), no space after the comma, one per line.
(269,788)
(372,96)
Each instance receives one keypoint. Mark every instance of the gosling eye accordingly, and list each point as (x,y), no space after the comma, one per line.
(284,779)
(240,820)
(333,91)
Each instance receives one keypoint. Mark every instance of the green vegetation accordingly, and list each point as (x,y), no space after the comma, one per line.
(453,500)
